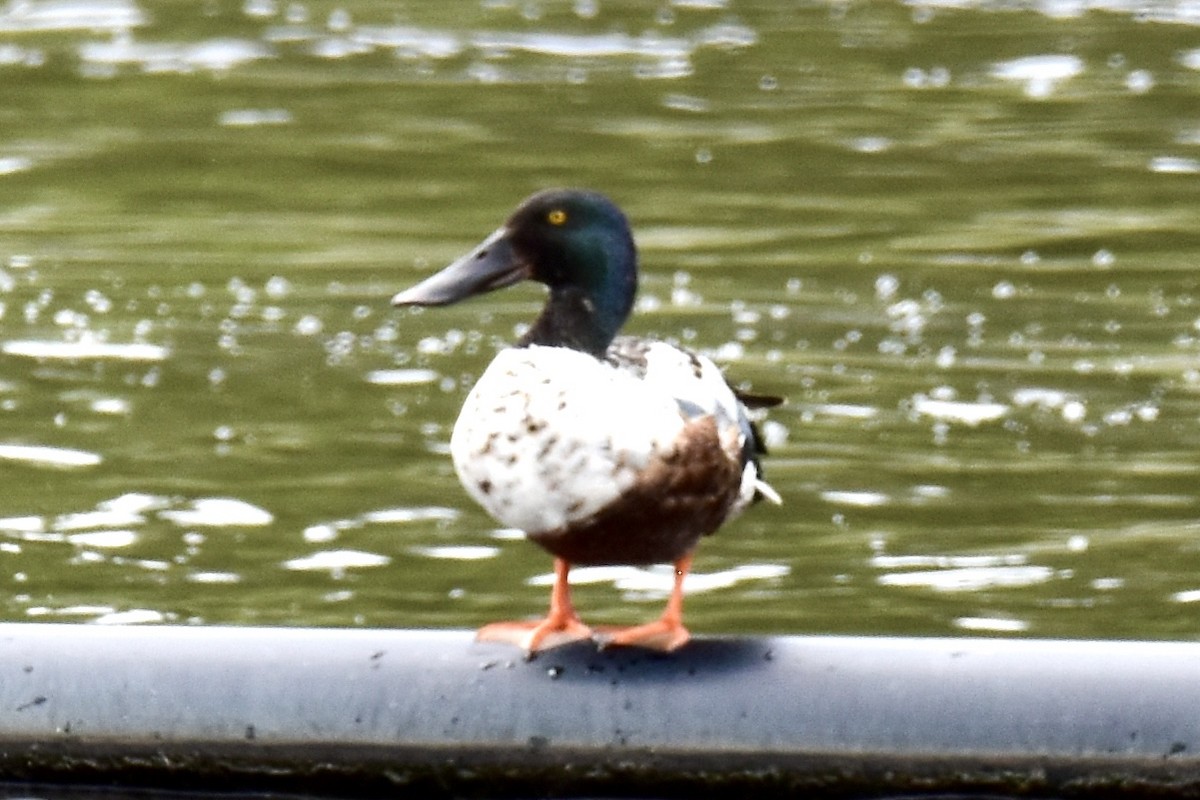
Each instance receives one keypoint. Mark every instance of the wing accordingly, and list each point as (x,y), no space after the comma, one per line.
(700,389)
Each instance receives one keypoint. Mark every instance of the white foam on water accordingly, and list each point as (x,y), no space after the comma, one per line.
(969,579)
(649,583)
(29,524)
(388,516)
(579,45)
(457,552)
(846,410)
(947,562)
(401,377)
(12,164)
(104,518)
(85,350)
(214,577)
(69,611)
(44,455)
(254,117)
(991,624)
(214,55)
(1040,74)
(965,412)
(115,406)
(219,512)
(133,503)
(410,42)
(65,15)
(133,616)
(319,533)
(336,561)
(1174,165)
(508,534)
(103,539)
(861,499)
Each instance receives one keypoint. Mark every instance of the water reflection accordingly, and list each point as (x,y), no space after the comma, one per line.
(963,250)
(653,54)
(653,584)
(29,16)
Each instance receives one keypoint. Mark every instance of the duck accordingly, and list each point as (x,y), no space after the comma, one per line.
(604,449)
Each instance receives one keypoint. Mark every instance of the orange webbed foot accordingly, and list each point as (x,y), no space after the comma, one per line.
(667,633)
(663,635)
(561,626)
(535,636)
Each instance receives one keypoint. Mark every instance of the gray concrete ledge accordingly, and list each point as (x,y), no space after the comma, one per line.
(364,713)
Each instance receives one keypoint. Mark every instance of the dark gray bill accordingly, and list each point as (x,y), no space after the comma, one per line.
(491,265)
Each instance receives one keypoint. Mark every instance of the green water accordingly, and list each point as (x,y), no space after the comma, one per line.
(962,242)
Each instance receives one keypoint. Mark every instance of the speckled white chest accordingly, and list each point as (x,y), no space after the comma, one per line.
(550,435)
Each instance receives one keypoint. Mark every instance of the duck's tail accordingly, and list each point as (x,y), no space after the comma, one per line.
(764,491)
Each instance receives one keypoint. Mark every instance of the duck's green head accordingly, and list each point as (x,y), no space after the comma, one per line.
(577,243)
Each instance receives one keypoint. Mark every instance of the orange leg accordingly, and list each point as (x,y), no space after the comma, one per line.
(561,626)
(666,633)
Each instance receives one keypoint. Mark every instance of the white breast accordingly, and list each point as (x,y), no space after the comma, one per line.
(550,435)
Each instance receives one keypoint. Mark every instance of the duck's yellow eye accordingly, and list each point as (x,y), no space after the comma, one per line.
(556,217)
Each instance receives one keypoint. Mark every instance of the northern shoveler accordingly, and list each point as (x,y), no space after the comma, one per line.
(604,449)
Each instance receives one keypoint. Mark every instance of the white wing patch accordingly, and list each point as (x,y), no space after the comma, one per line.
(700,388)
(694,381)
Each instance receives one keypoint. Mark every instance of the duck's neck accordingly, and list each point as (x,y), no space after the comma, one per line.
(573,318)
(589,302)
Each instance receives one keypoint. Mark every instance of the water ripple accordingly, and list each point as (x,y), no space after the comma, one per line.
(66,15)
(85,349)
(47,456)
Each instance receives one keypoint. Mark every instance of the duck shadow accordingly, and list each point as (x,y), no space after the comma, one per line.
(582,662)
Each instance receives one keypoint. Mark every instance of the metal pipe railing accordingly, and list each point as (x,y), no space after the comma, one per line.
(357,713)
